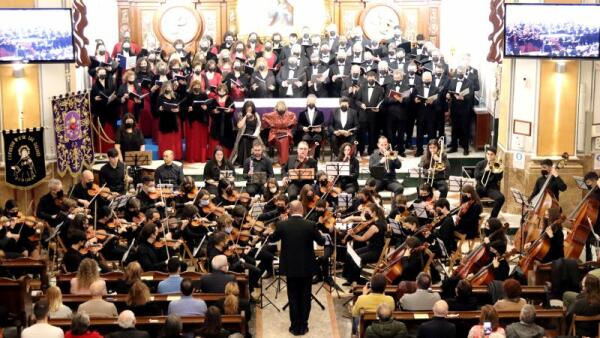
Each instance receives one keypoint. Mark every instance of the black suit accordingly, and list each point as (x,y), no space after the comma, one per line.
(369,118)
(128,333)
(411,82)
(311,136)
(335,87)
(461,114)
(299,74)
(350,89)
(335,123)
(441,106)
(426,117)
(295,186)
(492,189)
(214,282)
(149,259)
(396,116)
(432,328)
(298,264)
(318,88)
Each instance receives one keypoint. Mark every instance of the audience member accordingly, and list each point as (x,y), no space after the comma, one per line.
(212,327)
(98,307)
(87,274)
(187,305)
(586,304)
(133,272)
(422,299)
(126,322)
(41,328)
(57,309)
(80,325)
(232,304)
(138,300)
(173,327)
(488,314)
(439,324)
(386,326)
(464,299)
(215,281)
(512,300)
(373,295)
(172,283)
(526,327)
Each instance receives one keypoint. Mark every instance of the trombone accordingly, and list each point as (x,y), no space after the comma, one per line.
(492,168)
(390,155)
(436,166)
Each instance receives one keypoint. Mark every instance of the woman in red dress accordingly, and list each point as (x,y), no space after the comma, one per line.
(169,134)
(197,112)
(221,121)
(212,75)
(144,77)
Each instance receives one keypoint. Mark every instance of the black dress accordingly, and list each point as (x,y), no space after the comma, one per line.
(221,126)
(246,140)
(129,141)
(469,222)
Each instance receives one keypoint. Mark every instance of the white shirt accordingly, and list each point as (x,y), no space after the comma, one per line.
(458,86)
(311,115)
(343,118)
(42,330)
(437,81)
(290,91)
(370,93)
(341,68)
(425,91)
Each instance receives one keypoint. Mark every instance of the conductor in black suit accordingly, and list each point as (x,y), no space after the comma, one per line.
(370,96)
(298,263)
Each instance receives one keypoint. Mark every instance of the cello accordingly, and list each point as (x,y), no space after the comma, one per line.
(545,200)
(582,220)
(476,259)
(486,275)
(538,249)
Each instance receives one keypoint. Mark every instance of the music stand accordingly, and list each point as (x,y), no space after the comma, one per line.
(417,173)
(259,178)
(395,226)
(420,210)
(119,202)
(344,200)
(227,175)
(580,183)
(336,169)
(522,200)
(134,159)
(301,174)
(257,209)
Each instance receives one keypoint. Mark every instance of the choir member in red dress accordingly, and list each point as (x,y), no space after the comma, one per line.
(212,75)
(144,77)
(196,122)
(237,81)
(280,124)
(130,95)
(221,121)
(169,134)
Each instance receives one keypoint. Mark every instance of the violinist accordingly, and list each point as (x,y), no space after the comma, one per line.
(325,186)
(271,190)
(212,170)
(413,261)
(492,182)
(227,194)
(257,163)
(423,206)
(147,254)
(279,211)
(148,195)
(399,209)
(244,223)
(107,231)
(495,241)
(308,198)
(445,230)
(437,165)
(374,223)
(470,209)
(349,184)
(48,208)
(81,191)
(169,172)
(206,207)
(195,228)
(187,195)
(323,219)
(9,241)
(299,161)
(113,173)
(73,256)
(555,185)
(360,201)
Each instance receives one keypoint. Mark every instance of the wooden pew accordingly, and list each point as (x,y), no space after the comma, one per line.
(553,317)
(233,323)
(152,278)
(542,272)
(119,300)
(16,297)
(536,293)
(28,265)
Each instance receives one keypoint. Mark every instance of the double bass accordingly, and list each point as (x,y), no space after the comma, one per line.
(545,200)
(582,220)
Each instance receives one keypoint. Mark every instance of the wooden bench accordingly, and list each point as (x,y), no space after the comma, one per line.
(16,297)
(546,318)
(152,278)
(543,271)
(154,324)
(119,300)
(20,266)
(576,318)
(536,293)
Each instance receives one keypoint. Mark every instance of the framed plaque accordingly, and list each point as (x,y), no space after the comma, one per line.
(378,21)
(178,21)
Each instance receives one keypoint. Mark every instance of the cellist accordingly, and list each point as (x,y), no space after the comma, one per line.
(591,181)
(553,229)
(555,185)
(496,242)
(470,209)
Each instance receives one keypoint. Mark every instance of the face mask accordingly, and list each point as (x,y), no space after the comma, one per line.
(204,202)
(460,76)
(544,172)
(228,42)
(175,70)
(228,229)
(239,49)
(60,194)
(89,185)
(400,56)
(281,208)
(392,54)
(261,67)
(323,182)
(273,190)
(435,59)
(305,36)
(401,209)
(341,60)
(371,82)
(465,198)
(332,34)
(252,40)
(143,69)
(229,190)
(126,47)
(314,62)
(197,90)
(277,42)
(427,83)
(211,68)
(102,77)
(368,216)
(130,81)
(411,72)
(197,72)
(355,75)
(344,107)
(204,48)
(268,48)
(237,67)
(311,106)
(101,52)
(438,74)
(397,35)
(129,125)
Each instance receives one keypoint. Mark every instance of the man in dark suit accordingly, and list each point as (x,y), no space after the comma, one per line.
(286,51)
(316,76)
(126,322)
(432,328)
(332,39)
(298,263)
(370,97)
(426,100)
(311,123)
(411,81)
(215,281)
(351,86)
(441,82)
(291,79)
(461,110)
(299,161)
(395,111)
(343,125)
(338,71)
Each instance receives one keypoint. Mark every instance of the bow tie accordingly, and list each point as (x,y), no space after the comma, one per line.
(398,84)
(371,86)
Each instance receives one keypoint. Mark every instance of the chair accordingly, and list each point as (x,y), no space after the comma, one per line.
(576,318)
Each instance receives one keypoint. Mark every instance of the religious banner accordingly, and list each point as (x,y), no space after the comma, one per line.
(73,132)
(24,158)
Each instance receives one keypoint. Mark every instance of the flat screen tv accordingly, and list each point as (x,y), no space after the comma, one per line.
(560,31)
(36,35)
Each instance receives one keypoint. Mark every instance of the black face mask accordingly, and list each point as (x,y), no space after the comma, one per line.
(401,209)
(175,70)
(277,42)
(544,172)
(460,76)
(411,72)
(311,106)
(89,185)
(371,82)
(268,48)
(211,69)
(464,198)
(323,182)
(101,52)
(435,59)
(281,208)
(239,50)
(281,112)
(197,72)
(60,194)
(344,107)
(427,83)
(439,74)
(368,216)
(101,77)
(130,81)
(129,125)
(341,60)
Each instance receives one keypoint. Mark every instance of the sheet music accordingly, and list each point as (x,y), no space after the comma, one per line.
(355,258)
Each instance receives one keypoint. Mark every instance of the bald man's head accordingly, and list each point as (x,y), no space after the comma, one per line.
(126,319)
(296,208)
(168,156)
(87,176)
(440,309)
(384,312)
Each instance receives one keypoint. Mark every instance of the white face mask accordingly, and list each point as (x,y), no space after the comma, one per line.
(273,190)
(204,202)
(228,230)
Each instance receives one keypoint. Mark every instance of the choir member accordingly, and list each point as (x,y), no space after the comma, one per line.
(104,106)
(248,132)
(395,107)
(228,41)
(129,137)
(349,184)
(212,170)
(183,55)
(280,123)
(258,162)
(343,125)
(441,82)
(254,43)
(370,97)
(101,59)
(428,162)
(126,47)
(262,81)
(130,95)
(238,82)
(212,75)
(145,78)
(269,55)
(196,122)
(461,110)
(221,121)
(383,165)
(291,79)
(169,134)
(412,81)
(299,161)
(491,188)
(338,71)
(311,124)
(317,76)
(426,100)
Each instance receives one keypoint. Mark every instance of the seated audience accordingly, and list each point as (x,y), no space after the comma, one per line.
(422,299)
(133,273)
(138,300)
(172,283)
(41,328)
(80,325)
(173,327)
(126,322)
(232,304)
(464,299)
(526,327)
(212,328)
(215,281)
(187,305)
(386,326)
(371,298)
(57,310)
(512,300)
(488,314)
(98,307)
(433,328)
(87,274)
(587,303)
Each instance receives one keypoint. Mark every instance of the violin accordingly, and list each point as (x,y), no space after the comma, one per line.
(330,189)
(91,248)
(159,193)
(169,243)
(103,192)
(201,221)
(360,227)
(253,224)
(328,220)
(212,209)
(312,203)
(233,197)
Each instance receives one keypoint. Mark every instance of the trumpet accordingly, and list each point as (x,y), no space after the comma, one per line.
(492,168)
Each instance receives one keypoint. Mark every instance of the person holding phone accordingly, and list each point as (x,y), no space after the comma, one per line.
(488,324)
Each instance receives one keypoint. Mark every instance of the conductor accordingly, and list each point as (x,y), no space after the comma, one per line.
(298,263)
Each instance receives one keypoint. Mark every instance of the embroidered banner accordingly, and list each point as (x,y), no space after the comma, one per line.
(25,164)
(73,133)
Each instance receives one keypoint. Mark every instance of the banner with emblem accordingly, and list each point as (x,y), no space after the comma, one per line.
(73,132)
(24,158)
